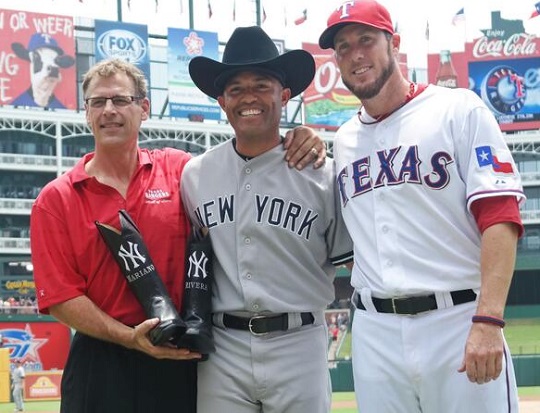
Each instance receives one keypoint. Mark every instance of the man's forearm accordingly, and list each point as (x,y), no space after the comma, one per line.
(83,315)
(498,256)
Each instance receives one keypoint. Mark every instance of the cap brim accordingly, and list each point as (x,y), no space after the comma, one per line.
(297,66)
(326,40)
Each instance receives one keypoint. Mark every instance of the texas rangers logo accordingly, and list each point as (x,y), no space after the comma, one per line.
(486,156)
(503,90)
(23,345)
(345,8)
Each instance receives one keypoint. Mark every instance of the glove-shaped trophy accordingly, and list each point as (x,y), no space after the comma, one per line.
(197,302)
(131,254)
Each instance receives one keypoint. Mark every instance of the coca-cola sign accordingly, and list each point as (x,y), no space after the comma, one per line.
(503,68)
(518,44)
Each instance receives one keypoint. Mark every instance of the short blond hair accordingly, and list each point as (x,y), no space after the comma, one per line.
(110,67)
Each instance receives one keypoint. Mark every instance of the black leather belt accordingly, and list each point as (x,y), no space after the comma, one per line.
(414,305)
(259,325)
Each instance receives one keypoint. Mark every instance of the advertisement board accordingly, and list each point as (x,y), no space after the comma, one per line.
(126,41)
(37,60)
(40,345)
(42,385)
(502,67)
(185,99)
(327,102)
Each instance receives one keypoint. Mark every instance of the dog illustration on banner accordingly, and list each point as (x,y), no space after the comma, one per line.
(46,60)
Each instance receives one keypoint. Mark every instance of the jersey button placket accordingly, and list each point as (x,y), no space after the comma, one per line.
(384,233)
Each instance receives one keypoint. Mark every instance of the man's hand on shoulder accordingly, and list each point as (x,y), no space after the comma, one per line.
(303,147)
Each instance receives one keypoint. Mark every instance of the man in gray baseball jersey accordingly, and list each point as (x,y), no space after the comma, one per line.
(276,232)
(17,385)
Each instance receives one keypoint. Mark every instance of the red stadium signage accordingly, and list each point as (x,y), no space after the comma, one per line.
(503,68)
(42,385)
(40,345)
(37,60)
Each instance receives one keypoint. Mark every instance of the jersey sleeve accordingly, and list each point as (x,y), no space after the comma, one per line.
(338,238)
(484,158)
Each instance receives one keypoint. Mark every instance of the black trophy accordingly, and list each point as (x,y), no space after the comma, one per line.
(197,302)
(131,254)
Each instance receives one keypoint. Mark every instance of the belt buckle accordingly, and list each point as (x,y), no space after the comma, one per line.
(250,326)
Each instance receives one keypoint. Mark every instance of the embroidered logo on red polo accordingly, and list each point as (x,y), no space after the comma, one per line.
(156,196)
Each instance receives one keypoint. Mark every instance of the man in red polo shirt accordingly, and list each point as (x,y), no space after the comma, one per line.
(113,366)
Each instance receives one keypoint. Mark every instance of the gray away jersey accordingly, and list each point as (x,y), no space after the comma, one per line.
(276,232)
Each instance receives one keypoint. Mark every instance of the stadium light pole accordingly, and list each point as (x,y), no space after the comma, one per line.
(258,12)
(191,14)
(119,9)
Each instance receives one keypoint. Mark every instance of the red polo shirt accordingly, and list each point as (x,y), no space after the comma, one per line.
(71,259)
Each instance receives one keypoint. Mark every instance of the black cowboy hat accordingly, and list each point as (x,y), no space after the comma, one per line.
(250,48)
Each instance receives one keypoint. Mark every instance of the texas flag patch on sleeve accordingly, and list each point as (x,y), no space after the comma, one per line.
(486,156)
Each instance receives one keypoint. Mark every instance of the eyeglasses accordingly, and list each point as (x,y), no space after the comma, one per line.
(117,101)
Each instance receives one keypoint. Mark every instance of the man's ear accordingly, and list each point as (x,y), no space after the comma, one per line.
(145,105)
(396,42)
(285,96)
(221,101)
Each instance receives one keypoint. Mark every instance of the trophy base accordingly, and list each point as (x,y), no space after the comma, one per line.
(166,331)
(195,340)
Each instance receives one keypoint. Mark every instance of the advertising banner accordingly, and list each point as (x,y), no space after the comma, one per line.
(185,99)
(126,41)
(511,89)
(15,286)
(42,385)
(327,102)
(37,60)
(502,67)
(39,345)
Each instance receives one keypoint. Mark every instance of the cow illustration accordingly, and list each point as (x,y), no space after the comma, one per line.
(46,59)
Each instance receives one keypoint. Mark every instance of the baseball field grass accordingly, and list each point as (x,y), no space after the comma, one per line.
(343,402)
(522,336)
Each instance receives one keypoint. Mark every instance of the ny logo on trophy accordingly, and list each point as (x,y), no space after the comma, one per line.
(133,254)
(129,251)
(198,265)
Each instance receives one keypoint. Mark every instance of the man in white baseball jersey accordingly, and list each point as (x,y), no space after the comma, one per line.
(430,194)
(276,234)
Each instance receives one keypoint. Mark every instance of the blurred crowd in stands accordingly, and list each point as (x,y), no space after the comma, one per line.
(18,305)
